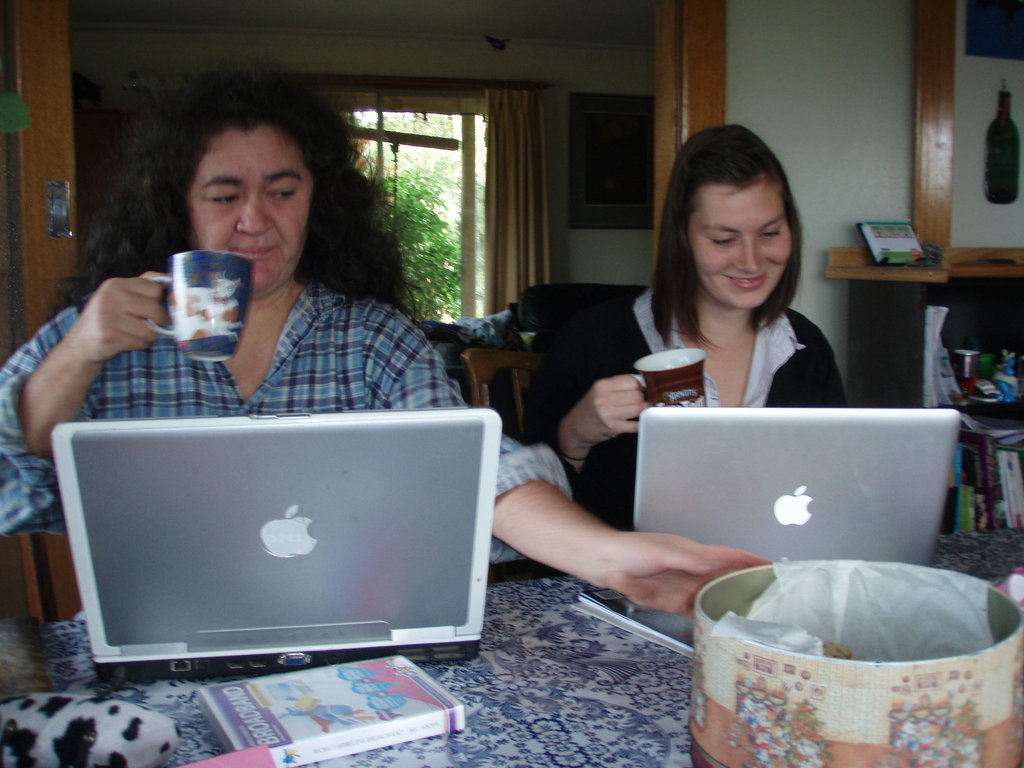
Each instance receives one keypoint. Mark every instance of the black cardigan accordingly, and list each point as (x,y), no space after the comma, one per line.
(604,341)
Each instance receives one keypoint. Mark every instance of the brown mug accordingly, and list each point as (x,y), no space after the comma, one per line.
(674,377)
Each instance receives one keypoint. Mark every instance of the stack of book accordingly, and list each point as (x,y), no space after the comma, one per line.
(988,481)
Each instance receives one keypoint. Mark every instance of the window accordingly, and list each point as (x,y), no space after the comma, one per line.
(428,152)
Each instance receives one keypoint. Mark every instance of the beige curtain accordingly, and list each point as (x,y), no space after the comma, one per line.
(516,198)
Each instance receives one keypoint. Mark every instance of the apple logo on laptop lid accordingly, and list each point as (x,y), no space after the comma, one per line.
(791,508)
(287,536)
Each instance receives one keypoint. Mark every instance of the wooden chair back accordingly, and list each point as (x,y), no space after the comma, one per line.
(50,589)
(481,366)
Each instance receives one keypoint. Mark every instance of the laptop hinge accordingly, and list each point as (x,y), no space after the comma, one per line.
(153,649)
(278,637)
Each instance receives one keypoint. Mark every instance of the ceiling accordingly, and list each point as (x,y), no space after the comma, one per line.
(602,22)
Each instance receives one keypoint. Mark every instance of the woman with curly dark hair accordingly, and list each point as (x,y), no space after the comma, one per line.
(147,217)
(252,163)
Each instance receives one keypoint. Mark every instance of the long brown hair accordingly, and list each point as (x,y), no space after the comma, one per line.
(727,154)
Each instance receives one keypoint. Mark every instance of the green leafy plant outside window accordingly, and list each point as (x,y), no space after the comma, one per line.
(430,246)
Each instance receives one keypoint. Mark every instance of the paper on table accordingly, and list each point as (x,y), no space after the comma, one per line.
(879,611)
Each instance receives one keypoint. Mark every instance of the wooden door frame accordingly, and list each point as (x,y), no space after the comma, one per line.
(39,35)
(935,60)
(42,50)
(689,81)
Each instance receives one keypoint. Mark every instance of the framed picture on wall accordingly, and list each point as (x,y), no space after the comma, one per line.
(611,163)
(992,29)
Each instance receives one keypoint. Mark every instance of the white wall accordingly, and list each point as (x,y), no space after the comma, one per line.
(830,87)
(108,54)
(975,221)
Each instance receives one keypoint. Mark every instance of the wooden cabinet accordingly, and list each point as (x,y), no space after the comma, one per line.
(983,289)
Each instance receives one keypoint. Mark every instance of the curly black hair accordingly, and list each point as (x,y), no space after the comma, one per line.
(146,217)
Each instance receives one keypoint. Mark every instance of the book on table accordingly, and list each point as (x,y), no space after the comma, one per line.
(315,714)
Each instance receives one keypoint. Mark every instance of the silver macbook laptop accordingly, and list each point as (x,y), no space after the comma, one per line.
(237,545)
(798,483)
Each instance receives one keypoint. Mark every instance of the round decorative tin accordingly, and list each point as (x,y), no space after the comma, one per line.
(754,706)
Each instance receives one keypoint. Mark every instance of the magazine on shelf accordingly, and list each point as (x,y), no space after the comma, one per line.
(891,242)
(315,714)
(667,629)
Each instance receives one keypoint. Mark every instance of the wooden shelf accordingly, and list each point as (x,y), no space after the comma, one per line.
(857,264)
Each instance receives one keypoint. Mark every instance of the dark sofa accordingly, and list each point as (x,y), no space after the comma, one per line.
(543,309)
(540,311)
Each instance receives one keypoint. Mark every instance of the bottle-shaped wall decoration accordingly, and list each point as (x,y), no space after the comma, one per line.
(1002,154)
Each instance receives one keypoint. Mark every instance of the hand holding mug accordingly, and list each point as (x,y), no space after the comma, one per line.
(609,408)
(612,406)
(116,319)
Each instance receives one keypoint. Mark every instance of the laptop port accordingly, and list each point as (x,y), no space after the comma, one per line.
(235,664)
(448,653)
(181,665)
(257,663)
(294,659)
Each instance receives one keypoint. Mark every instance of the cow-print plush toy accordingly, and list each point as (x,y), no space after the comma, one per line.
(53,730)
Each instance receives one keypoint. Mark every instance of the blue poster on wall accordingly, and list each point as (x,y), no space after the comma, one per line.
(995,28)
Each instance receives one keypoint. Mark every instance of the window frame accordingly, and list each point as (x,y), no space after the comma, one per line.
(467,96)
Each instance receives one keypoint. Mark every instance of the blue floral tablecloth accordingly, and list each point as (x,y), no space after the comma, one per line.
(551,687)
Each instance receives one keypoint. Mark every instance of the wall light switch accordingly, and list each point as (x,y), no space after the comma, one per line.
(58,212)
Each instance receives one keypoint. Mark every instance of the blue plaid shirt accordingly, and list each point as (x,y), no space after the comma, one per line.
(334,355)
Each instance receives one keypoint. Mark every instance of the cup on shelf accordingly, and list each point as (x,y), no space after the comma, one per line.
(965,369)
